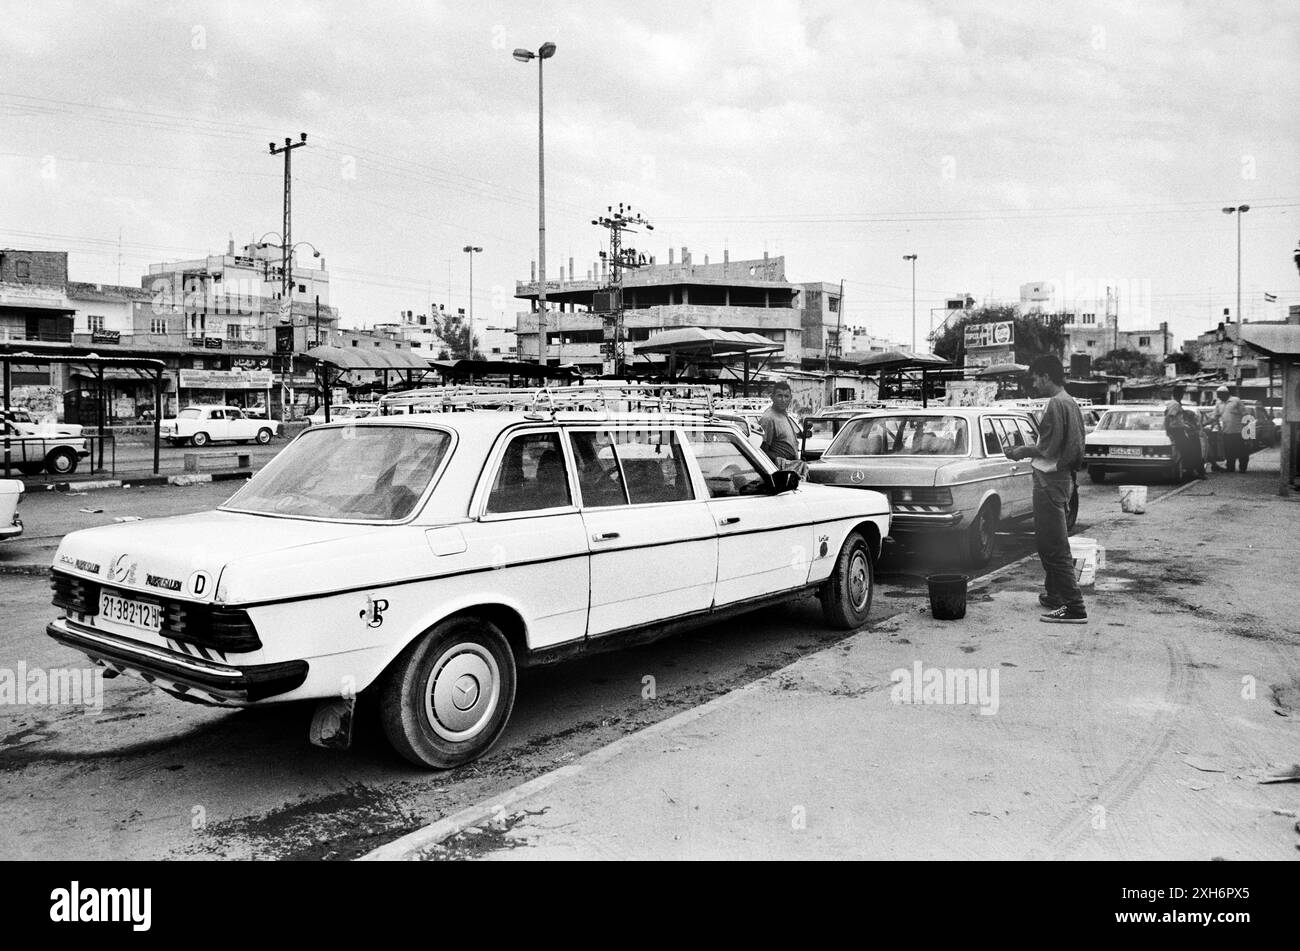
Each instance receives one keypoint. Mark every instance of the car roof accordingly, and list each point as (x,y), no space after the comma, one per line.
(963,411)
(493,421)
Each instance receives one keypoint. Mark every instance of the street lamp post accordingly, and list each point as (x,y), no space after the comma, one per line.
(544,52)
(912,258)
(1239,210)
(471,250)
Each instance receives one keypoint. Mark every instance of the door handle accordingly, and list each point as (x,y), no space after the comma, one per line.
(729,520)
(604,536)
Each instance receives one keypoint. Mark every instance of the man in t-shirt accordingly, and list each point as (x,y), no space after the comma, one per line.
(1231,413)
(780,435)
(1056,456)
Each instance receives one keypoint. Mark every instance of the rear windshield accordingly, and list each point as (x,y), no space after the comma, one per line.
(364,473)
(1134,420)
(902,436)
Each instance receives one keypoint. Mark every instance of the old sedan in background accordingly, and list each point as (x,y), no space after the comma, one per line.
(32,453)
(200,425)
(1132,438)
(944,469)
(424,558)
(11,493)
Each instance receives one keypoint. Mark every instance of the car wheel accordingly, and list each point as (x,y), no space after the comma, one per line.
(199,439)
(263,436)
(846,595)
(1097,474)
(448,696)
(1072,510)
(982,535)
(61,462)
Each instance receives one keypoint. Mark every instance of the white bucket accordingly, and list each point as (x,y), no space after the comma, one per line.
(1133,498)
(1086,554)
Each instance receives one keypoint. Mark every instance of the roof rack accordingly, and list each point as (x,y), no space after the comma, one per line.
(607,397)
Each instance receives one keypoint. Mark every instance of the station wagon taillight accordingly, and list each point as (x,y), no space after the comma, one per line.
(922,496)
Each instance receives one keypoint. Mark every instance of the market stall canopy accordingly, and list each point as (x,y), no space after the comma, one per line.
(1002,369)
(708,342)
(891,360)
(502,368)
(368,358)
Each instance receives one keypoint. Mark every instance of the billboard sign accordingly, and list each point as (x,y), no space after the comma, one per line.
(1001,333)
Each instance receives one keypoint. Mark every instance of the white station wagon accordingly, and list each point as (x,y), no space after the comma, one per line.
(199,425)
(11,493)
(429,556)
(945,469)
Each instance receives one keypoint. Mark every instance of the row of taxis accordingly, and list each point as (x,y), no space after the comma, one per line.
(420,559)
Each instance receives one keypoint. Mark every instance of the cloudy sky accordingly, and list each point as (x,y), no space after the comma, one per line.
(1088,143)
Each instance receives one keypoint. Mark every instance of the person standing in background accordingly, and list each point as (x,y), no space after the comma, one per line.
(1230,413)
(1186,440)
(780,433)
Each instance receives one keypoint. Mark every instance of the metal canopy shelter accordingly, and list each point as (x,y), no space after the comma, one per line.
(143,366)
(334,363)
(701,344)
(900,362)
(469,369)
(1281,342)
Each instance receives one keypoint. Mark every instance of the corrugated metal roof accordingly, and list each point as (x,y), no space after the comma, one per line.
(368,358)
(1277,339)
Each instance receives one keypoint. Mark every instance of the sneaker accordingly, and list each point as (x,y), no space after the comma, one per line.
(1065,615)
(1051,602)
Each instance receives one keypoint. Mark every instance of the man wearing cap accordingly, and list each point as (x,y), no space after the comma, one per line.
(1230,412)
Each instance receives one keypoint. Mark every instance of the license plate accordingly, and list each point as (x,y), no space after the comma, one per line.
(141,614)
(1126,451)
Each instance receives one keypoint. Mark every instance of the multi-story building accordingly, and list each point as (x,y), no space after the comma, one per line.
(751,296)
(860,340)
(1092,324)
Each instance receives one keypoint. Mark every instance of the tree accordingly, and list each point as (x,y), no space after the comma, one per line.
(454,331)
(1128,362)
(1035,334)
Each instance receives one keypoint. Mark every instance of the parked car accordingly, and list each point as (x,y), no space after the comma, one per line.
(200,425)
(427,557)
(343,411)
(1267,432)
(32,453)
(1131,438)
(944,469)
(11,493)
(26,423)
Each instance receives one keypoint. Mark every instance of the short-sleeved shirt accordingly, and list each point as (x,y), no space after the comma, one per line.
(1060,435)
(1230,413)
(780,437)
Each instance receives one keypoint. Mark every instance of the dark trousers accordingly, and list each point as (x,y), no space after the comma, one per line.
(1051,501)
(1234,450)
(1189,450)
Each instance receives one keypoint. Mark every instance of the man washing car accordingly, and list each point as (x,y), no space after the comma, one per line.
(1056,457)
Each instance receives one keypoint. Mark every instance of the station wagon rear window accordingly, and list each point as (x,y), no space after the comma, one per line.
(902,436)
(361,473)
(190,414)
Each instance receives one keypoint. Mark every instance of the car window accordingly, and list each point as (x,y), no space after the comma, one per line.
(600,478)
(1008,432)
(532,476)
(234,414)
(1027,432)
(654,466)
(727,470)
(902,436)
(216,414)
(190,414)
(992,441)
(1134,420)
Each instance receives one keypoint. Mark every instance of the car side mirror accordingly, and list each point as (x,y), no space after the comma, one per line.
(784,480)
(807,430)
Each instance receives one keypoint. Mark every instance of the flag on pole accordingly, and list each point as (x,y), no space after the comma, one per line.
(1269,298)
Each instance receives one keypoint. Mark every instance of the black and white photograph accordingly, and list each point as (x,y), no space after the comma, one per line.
(790,430)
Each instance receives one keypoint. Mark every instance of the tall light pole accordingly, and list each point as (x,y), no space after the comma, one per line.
(1239,210)
(544,52)
(912,258)
(471,250)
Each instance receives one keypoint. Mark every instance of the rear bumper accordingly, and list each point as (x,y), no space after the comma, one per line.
(12,531)
(1129,462)
(180,673)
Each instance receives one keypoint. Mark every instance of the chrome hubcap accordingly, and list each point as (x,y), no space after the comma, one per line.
(462,692)
(859,586)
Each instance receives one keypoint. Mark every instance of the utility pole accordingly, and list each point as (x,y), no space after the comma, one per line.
(619,258)
(286,278)
(471,250)
(912,258)
(544,52)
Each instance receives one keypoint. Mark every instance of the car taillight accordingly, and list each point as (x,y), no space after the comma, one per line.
(923,496)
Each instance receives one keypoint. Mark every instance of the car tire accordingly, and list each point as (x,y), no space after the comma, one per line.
(423,695)
(199,440)
(1097,474)
(846,595)
(263,436)
(61,462)
(981,536)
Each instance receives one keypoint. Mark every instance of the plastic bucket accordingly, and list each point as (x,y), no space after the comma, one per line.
(947,596)
(1087,557)
(1133,499)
